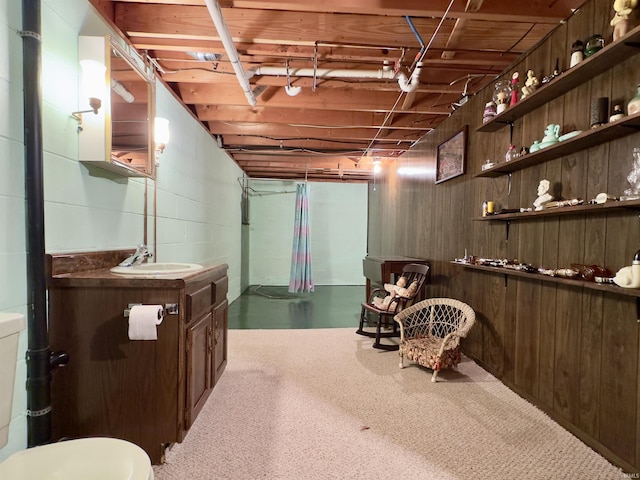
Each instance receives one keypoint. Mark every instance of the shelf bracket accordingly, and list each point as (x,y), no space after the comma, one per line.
(638,309)
(632,44)
(507,224)
(506,279)
(509,184)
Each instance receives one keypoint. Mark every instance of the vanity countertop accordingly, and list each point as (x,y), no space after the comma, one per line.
(93,269)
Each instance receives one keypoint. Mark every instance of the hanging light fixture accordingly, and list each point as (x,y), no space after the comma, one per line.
(92,87)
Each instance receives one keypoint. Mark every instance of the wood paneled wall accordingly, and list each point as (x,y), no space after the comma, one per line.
(573,352)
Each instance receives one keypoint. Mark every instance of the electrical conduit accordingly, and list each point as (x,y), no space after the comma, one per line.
(223,32)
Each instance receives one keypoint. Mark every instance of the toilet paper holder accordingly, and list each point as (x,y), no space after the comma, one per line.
(169,309)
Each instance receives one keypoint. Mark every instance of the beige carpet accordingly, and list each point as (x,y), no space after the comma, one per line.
(323,404)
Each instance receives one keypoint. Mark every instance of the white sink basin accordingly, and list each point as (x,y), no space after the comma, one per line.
(169,268)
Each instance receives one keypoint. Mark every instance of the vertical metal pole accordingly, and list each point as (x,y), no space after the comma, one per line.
(38,351)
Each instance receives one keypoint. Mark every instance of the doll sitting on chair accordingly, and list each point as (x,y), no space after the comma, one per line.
(397,290)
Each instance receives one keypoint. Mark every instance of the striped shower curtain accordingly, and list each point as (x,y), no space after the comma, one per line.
(300,279)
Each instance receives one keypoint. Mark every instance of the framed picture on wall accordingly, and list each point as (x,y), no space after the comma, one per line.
(451,159)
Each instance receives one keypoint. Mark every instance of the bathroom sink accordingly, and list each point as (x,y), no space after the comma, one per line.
(168,268)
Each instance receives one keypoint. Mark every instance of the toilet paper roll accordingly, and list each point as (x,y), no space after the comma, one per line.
(144,320)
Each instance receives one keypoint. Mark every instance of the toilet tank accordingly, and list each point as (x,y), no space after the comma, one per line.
(10,326)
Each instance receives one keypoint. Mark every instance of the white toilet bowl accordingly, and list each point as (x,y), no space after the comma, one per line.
(96,458)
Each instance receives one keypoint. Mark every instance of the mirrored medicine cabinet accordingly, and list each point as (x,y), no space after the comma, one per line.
(119,137)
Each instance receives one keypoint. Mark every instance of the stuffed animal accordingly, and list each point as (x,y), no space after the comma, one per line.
(395,291)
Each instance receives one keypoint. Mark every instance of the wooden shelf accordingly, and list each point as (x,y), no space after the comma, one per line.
(602,287)
(599,62)
(587,139)
(573,210)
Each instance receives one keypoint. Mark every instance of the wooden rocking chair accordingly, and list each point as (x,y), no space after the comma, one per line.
(412,272)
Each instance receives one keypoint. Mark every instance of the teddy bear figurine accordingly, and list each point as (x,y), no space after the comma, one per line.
(530,85)
(620,22)
(395,291)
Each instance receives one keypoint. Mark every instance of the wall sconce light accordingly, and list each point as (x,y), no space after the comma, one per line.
(161,136)
(92,86)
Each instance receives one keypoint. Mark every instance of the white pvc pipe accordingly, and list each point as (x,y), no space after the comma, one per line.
(409,85)
(406,84)
(218,20)
(118,88)
(324,72)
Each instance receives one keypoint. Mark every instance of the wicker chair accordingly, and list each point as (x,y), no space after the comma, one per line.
(430,332)
(384,316)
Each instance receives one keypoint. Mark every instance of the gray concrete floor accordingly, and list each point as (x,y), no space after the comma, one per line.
(329,306)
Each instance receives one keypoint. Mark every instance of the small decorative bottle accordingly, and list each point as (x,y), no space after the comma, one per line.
(593,44)
(616,114)
(633,178)
(577,53)
(514,89)
(511,154)
(634,105)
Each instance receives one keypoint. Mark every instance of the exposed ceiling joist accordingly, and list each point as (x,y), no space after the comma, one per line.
(330,121)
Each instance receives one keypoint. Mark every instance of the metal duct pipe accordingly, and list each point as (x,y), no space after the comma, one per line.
(38,350)
(223,31)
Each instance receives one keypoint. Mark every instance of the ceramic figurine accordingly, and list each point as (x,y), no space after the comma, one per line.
(535,146)
(551,135)
(489,111)
(543,194)
(556,73)
(530,85)
(629,277)
(620,22)
(514,89)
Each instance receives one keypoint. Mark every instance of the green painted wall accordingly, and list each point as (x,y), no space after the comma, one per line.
(198,196)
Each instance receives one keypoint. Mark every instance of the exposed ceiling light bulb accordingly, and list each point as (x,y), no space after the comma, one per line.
(205,56)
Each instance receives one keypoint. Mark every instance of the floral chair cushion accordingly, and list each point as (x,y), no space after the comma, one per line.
(424,351)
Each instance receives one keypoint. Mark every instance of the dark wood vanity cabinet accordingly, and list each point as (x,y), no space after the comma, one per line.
(148,392)
(206,341)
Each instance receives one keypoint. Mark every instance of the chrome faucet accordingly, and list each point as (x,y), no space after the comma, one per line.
(140,255)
